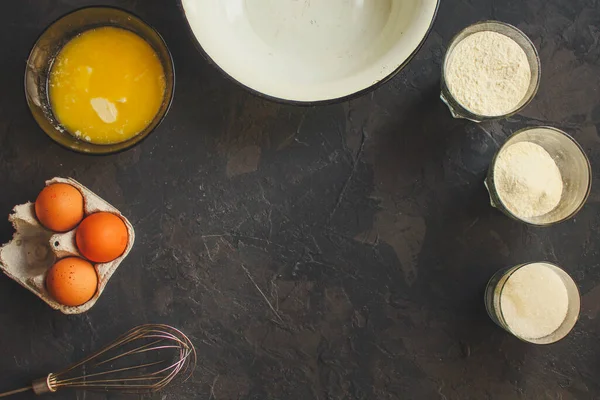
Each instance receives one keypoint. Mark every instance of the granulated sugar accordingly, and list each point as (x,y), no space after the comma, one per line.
(488,73)
(527,180)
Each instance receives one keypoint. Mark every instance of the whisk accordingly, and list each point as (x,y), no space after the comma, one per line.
(143,360)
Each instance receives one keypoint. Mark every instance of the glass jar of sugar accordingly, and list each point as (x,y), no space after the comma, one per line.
(540,176)
(491,70)
(536,302)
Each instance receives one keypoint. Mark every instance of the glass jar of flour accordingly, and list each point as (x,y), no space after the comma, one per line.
(491,70)
(536,302)
(540,176)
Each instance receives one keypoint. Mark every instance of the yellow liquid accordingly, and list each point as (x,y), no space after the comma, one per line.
(106,85)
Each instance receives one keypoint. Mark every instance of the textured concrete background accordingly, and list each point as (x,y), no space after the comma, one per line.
(336,252)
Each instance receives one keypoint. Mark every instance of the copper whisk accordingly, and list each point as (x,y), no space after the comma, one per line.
(143,360)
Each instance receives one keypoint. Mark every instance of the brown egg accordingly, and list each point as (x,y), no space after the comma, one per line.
(59,207)
(72,281)
(102,237)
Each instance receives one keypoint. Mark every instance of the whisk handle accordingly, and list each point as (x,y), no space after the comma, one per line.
(25,389)
(39,386)
(42,386)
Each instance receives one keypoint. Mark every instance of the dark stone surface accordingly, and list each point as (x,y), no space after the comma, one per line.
(337,252)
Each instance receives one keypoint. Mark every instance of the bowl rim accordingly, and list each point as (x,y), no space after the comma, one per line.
(309,103)
(134,143)
(503,207)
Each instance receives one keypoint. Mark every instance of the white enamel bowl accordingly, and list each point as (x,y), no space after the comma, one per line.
(310,51)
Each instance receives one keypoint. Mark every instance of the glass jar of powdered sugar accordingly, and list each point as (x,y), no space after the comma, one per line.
(540,176)
(491,70)
(537,302)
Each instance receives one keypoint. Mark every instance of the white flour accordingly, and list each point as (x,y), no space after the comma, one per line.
(488,73)
(534,301)
(527,180)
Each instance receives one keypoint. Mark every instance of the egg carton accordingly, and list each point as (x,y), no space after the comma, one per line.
(34,249)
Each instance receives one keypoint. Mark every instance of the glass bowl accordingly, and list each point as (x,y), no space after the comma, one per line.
(493,304)
(574,167)
(49,45)
(457,110)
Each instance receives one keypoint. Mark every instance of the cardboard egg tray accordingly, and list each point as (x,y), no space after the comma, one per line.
(34,249)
